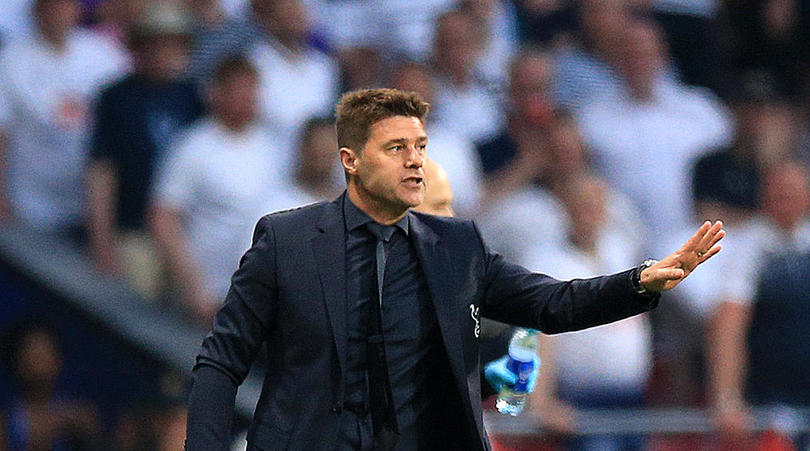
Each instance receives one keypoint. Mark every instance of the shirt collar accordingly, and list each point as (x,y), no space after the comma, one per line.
(354,217)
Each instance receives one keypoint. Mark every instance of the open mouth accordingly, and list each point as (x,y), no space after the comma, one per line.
(413,181)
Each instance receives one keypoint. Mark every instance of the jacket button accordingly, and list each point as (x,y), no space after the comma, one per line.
(337,407)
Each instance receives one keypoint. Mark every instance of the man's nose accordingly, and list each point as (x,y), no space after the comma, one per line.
(415,158)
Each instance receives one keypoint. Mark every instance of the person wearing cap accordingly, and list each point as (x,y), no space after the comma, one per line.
(136,119)
(47,84)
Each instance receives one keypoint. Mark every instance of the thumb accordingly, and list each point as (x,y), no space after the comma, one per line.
(671,274)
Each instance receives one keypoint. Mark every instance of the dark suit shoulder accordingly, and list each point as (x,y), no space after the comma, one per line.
(452,228)
(302,213)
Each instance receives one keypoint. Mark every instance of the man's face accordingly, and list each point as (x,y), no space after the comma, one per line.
(389,170)
(236,98)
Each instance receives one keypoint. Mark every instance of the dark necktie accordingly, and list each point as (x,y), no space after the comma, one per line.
(383,413)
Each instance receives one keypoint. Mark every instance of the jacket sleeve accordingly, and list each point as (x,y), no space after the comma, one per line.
(241,325)
(515,295)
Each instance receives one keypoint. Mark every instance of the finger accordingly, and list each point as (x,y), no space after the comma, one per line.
(710,235)
(719,236)
(669,274)
(693,242)
(714,250)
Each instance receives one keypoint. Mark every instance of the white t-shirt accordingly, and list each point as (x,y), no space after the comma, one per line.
(613,356)
(220,181)
(45,99)
(471,111)
(646,150)
(400,28)
(529,216)
(751,244)
(294,87)
(16,19)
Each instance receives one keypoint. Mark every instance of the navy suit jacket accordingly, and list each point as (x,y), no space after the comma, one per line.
(289,294)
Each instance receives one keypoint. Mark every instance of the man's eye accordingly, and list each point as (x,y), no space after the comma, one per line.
(395,148)
(423,148)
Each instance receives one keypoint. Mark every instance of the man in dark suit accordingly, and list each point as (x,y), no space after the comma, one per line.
(370,312)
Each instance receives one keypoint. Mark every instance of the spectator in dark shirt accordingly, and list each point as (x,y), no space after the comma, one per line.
(520,151)
(42,417)
(136,118)
(725,183)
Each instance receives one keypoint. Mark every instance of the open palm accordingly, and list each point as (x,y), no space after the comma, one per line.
(671,270)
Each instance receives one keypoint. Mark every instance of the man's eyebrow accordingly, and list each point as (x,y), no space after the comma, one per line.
(420,139)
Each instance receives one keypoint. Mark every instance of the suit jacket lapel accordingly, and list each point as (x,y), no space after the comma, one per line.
(329,249)
(437,266)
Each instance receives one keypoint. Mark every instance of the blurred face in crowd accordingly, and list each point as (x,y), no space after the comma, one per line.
(786,194)
(641,59)
(286,20)
(585,203)
(457,45)
(163,57)
(317,154)
(38,361)
(529,81)
(235,99)
(604,22)
(438,195)
(55,18)
(414,77)
(388,173)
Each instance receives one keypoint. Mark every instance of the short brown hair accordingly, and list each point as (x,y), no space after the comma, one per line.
(357,111)
(231,66)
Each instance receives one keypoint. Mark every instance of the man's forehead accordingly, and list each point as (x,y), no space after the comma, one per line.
(402,126)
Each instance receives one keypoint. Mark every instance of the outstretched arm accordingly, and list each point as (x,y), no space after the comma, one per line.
(669,272)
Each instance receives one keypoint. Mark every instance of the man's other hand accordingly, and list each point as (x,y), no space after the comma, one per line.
(670,271)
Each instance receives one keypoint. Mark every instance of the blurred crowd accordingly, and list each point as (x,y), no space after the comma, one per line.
(583,137)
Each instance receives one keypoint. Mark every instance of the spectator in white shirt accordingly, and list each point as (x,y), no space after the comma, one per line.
(462,102)
(297,81)
(602,367)
(212,188)
(646,141)
(782,227)
(47,84)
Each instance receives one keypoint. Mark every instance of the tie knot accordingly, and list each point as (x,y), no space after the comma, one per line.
(381,232)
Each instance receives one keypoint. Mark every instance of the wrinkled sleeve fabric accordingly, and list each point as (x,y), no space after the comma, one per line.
(228,351)
(210,410)
(515,295)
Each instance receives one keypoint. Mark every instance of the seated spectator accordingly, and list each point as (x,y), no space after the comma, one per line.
(725,183)
(224,37)
(602,367)
(782,229)
(439,195)
(136,119)
(41,417)
(318,174)
(455,153)
(495,21)
(212,188)
(462,102)
(297,81)
(645,142)
(394,28)
(47,84)
(583,70)
(519,153)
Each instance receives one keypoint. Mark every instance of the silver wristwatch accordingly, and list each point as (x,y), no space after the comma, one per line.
(636,278)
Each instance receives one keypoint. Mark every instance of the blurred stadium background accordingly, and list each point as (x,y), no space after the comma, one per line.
(140,141)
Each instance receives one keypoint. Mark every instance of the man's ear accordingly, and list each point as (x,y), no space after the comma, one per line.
(348,158)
